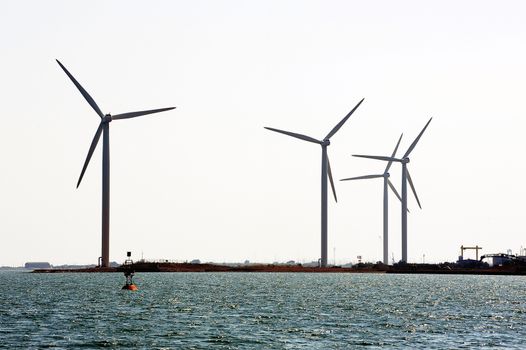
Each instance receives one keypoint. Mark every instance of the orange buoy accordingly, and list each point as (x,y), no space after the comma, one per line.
(129,283)
(130,287)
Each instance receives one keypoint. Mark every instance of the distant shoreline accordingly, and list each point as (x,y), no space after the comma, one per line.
(360,268)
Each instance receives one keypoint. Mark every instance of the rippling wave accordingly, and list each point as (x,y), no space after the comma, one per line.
(262,311)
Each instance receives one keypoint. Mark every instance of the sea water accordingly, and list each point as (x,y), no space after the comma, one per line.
(262,311)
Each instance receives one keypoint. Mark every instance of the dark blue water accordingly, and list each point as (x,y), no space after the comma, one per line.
(262,311)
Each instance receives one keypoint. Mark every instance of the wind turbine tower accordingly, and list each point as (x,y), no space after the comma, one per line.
(387,183)
(325,173)
(104,129)
(406,177)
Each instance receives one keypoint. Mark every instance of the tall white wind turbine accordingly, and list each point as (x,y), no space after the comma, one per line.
(387,183)
(325,173)
(406,177)
(104,130)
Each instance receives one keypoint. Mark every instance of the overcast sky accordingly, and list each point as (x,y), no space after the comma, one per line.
(207,181)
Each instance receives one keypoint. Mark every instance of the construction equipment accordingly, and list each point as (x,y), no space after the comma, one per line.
(476,248)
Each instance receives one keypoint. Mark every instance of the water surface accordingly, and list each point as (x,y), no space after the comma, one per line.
(262,311)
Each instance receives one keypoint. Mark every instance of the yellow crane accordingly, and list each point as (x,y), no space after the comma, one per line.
(476,248)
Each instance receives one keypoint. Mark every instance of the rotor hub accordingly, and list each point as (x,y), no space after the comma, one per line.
(325,142)
(107,118)
(405,160)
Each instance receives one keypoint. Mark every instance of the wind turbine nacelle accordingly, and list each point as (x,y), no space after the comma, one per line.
(405,160)
(107,118)
(326,142)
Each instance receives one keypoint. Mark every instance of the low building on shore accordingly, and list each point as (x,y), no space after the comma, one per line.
(37,265)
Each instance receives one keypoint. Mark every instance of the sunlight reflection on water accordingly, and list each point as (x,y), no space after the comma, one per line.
(262,310)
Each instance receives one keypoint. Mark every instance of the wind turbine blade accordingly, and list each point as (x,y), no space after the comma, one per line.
(138,114)
(387,159)
(362,177)
(392,156)
(413,188)
(298,136)
(340,124)
(90,152)
(395,191)
(410,149)
(82,91)
(329,172)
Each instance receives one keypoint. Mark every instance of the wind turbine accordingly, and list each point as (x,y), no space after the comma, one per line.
(387,183)
(104,128)
(325,173)
(405,178)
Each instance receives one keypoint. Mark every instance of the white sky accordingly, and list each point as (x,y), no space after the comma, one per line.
(206,180)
